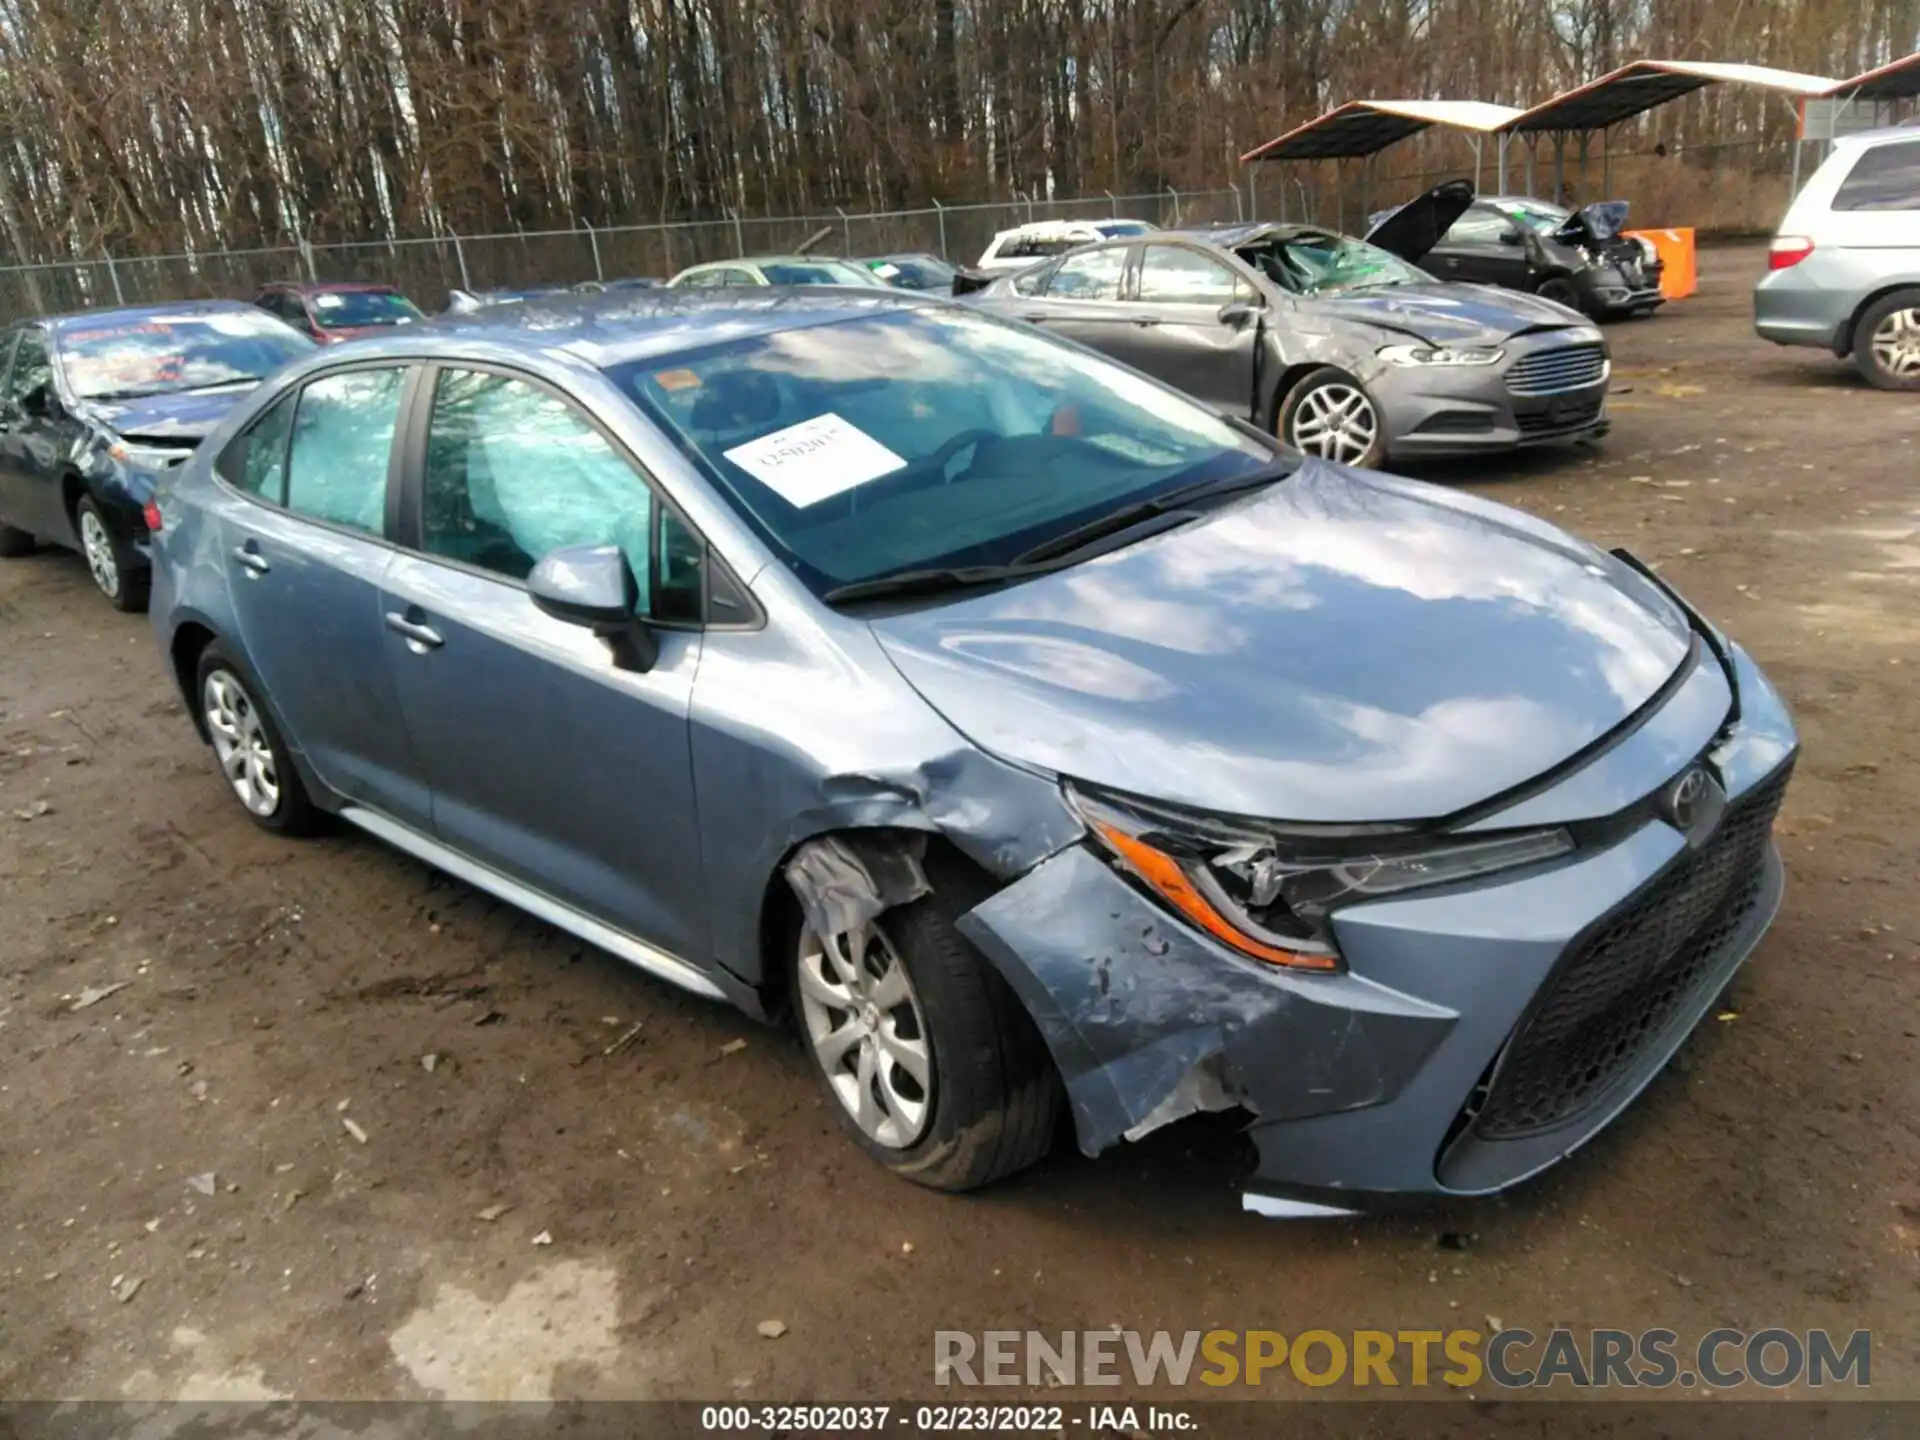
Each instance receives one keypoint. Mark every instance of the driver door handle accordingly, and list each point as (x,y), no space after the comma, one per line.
(420,638)
(251,560)
(1146,324)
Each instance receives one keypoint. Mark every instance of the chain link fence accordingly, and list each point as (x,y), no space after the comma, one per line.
(1711,186)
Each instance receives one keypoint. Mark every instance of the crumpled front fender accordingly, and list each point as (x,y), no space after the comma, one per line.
(1148,1021)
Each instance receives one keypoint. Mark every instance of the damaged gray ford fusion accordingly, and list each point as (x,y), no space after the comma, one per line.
(1034,737)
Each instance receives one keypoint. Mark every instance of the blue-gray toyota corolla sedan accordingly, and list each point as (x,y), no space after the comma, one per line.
(1028,734)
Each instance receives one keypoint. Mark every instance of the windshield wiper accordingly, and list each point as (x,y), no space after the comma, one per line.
(928,581)
(1116,522)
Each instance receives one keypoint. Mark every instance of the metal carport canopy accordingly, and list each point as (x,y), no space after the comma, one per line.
(1644,84)
(1366,127)
(1898,81)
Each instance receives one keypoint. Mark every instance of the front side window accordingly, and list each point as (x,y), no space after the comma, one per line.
(1175,275)
(1481,224)
(32,366)
(342,440)
(514,473)
(1095,275)
(924,437)
(1885,177)
(159,354)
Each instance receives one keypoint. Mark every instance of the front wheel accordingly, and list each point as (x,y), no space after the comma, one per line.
(1330,414)
(252,756)
(933,1066)
(1886,342)
(116,569)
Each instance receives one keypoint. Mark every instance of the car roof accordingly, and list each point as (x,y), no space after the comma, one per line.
(613,327)
(131,314)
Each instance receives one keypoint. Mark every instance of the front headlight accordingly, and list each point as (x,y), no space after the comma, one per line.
(1269,892)
(149,457)
(1440,355)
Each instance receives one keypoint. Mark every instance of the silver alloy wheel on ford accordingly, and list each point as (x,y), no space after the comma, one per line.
(1896,343)
(864,1022)
(97,545)
(1335,421)
(240,742)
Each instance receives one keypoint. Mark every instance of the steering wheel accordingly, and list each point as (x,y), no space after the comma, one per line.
(941,458)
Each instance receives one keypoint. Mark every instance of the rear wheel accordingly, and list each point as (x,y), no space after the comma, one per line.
(1886,342)
(252,756)
(116,569)
(1330,414)
(14,543)
(933,1066)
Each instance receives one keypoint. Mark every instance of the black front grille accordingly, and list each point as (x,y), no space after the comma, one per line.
(1549,372)
(1615,994)
(1559,416)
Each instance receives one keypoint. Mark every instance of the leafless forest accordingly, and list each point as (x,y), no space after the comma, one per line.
(142,126)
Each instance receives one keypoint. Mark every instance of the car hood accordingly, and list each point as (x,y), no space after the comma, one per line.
(1342,648)
(1446,312)
(186,416)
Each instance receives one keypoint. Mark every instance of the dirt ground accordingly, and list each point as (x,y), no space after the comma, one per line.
(543,1213)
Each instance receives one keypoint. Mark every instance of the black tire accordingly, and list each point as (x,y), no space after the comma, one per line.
(1558,289)
(125,581)
(1297,404)
(294,812)
(1881,312)
(996,1098)
(14,543)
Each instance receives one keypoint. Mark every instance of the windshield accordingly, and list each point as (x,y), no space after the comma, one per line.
(345,308)
(919,438)
(914,272)
(815,272)
(1318,263)
(161,353)
(1536,215)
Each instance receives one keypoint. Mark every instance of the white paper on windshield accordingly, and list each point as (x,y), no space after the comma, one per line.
(328,302)
(815,460)
(886,272)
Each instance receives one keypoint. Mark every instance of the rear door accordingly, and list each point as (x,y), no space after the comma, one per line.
(1175,330)
(548,763)
(1484,246)
(305,519)
(1083,298)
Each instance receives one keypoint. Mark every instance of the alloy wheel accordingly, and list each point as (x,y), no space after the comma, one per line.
(1896,343)
(240,742)
(97,546)
(868,1032)
(1336,422)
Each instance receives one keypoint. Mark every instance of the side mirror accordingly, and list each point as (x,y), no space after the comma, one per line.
(593,586)
(1510,235)
(40,403)
(1237,313)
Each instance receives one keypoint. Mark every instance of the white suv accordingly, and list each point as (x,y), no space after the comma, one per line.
(1844,271)
(1026,245)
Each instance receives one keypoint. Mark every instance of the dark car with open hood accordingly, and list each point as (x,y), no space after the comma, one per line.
(1579,257)
(1346,349)
(95,406)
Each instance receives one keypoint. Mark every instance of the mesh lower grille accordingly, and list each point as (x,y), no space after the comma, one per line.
(1626,980)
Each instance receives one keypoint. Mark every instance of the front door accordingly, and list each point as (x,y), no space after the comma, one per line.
(547,761)
(1082,299)
(1178,334)
(304,523)
(1484,246)
(30,445)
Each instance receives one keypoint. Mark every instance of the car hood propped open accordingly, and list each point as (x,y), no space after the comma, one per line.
(1343,648)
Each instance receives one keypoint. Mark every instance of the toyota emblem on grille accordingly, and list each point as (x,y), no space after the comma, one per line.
(1692,803)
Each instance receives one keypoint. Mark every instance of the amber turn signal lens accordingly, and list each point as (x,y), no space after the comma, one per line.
(1164,874)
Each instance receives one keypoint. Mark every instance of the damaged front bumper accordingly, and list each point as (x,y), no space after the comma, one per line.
(1447,1058)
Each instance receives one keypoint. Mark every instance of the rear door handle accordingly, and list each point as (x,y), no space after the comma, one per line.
(420,638)
(251,560)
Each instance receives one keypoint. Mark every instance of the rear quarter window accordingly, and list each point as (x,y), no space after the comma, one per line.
(1885,177)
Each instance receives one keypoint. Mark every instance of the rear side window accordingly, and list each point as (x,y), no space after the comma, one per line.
(1092,276)
(1885,177)
(342,439)
(256,461)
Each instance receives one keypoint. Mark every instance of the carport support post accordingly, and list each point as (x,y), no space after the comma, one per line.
(1606,164)
(113,274)
(1559,166)
(1475,141)
(1366,191)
